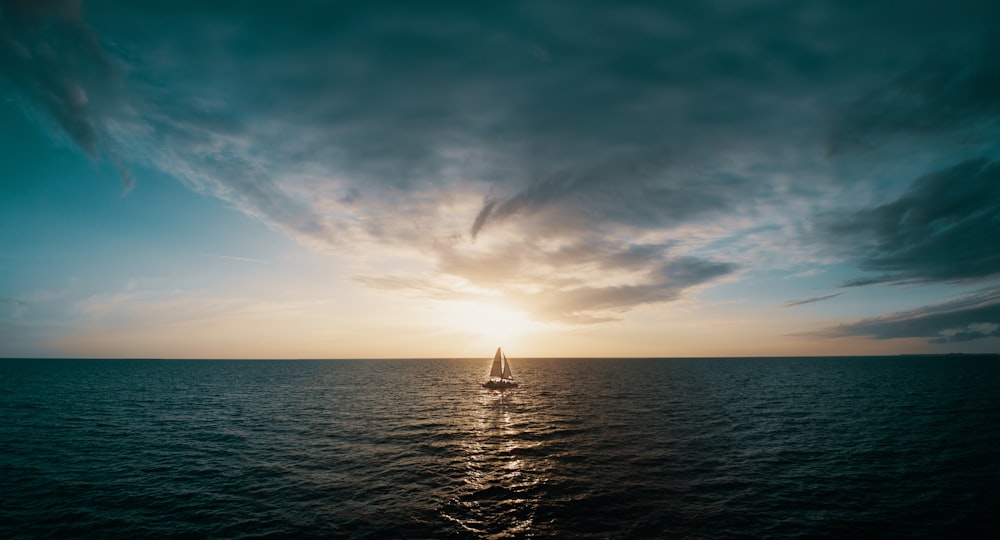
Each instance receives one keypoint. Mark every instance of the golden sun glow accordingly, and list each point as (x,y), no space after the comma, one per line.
(491,323)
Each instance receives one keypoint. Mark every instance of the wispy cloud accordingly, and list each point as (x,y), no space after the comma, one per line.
(17,306)
(582,282)
(235,258)
(793,303)
(944,228)
(970,317)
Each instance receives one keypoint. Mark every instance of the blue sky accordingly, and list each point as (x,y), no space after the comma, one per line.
(382,179)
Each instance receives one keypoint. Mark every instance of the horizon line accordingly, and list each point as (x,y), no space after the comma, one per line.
(309,359)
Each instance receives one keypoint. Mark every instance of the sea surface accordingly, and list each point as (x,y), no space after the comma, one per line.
(877,447)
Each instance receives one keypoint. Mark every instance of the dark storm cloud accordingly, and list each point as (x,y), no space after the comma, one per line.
(974,316)
(944,228)
(582,125)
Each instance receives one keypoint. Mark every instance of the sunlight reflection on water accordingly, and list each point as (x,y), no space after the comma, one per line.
(499,481)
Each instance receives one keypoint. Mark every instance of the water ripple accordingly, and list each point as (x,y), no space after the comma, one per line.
(722,448)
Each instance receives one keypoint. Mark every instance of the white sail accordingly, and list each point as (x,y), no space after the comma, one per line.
(500,375)
(497,369)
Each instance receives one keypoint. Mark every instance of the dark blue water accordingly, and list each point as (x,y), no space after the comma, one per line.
(836,447)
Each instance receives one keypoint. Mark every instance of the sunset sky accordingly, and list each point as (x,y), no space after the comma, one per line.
(427,179)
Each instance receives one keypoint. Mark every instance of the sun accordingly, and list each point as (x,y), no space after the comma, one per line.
(491,323)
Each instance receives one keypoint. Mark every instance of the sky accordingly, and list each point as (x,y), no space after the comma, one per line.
(433,179)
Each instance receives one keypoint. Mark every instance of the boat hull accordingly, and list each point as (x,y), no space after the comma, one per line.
(498,385)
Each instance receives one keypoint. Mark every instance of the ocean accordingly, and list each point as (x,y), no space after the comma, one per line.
(879,447)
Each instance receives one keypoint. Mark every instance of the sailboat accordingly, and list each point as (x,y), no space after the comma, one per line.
(500,375)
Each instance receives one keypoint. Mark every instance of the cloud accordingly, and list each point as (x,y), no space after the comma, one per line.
(970,317)
(944,228)
(17,306)
(584,282)
(54,58)
(793,303)
(635,188)
(585,304)
(582,160)
(938,96)
(236,258)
